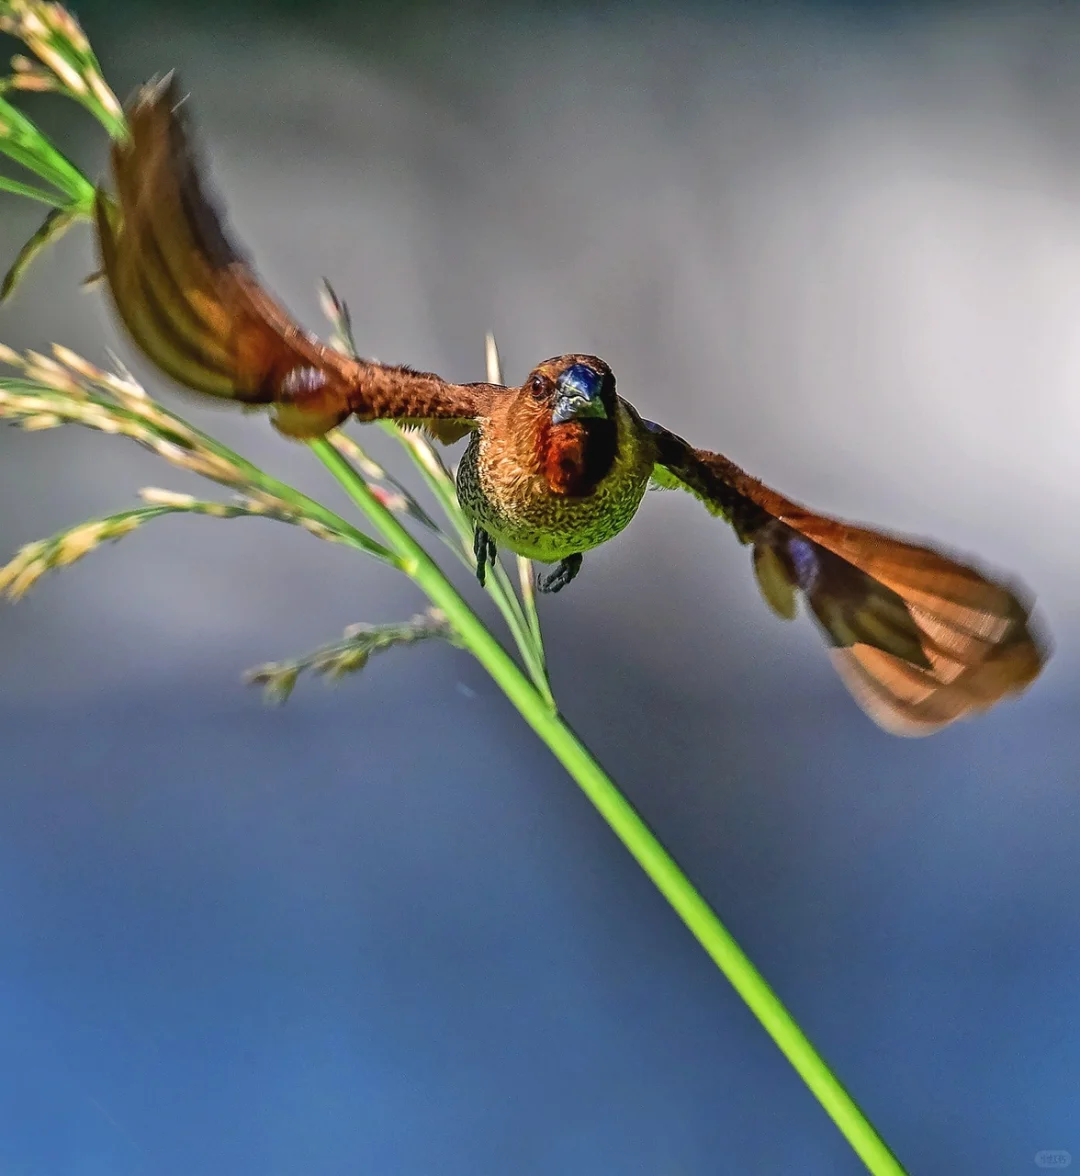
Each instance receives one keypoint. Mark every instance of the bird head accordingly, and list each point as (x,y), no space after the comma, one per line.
(573,388)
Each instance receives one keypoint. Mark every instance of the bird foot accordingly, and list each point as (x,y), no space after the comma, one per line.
(561,576)
(485,551)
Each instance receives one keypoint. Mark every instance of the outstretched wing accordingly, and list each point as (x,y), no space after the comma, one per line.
(197,310)
(918,638)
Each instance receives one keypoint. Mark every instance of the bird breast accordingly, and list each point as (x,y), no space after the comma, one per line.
(532,492)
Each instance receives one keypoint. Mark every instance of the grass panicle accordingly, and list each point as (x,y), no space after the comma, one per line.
(349,655)
(65,388)
(61,62)
(65,61)
(50,391)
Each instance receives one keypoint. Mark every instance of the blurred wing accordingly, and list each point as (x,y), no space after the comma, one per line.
(918,638)
(196,309)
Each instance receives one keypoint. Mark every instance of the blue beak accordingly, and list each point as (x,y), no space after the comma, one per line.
(578,395)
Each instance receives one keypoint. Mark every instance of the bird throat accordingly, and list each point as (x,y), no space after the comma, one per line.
(577,455)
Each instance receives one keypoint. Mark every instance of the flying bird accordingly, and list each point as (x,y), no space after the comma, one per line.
(556,466)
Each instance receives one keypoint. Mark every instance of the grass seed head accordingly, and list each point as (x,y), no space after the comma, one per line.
(76,363)
(108,100)
(41,422)
(38,83)
(77,542)
(156,496)
(26,579)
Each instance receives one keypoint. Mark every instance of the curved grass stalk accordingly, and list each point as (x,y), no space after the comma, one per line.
(526,576)
(625,822)
(17,188)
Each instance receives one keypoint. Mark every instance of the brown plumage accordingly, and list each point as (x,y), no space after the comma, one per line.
(557,466)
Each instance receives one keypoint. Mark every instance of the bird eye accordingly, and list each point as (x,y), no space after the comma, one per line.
(537,385)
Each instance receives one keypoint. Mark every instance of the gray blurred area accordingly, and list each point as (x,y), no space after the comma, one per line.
(378,930)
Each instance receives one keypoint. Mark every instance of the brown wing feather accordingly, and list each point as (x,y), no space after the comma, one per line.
(194,306)
(919,638)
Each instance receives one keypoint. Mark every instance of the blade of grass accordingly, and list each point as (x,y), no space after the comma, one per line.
(526,577)
(20,189)
(22,141)
(54,226)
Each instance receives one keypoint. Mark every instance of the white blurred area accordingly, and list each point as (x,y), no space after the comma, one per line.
(845,253)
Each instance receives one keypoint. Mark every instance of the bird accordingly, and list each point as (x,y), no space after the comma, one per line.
(555,467)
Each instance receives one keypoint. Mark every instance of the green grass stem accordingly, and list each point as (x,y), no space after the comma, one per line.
(624,821)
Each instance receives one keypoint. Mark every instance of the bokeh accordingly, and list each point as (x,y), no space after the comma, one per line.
(378,930)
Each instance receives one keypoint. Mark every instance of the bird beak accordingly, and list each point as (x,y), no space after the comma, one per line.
(574,406)
(578,396)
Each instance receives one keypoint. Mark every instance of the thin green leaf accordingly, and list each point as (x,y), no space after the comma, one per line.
(526,578)
(19,189)
(114,124)
(22,141)
(52,228)
(30,158)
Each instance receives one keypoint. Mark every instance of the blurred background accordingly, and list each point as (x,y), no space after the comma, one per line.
(378,930)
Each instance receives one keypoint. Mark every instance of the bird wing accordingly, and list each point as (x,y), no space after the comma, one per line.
(196,309)
(919,639)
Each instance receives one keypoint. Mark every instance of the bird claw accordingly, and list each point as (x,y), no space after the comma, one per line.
(485,551)
(561,576)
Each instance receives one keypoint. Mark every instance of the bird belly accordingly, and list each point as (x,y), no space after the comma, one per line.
(520,512)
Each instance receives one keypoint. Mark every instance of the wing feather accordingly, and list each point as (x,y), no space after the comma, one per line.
(919,638)
(194,306)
